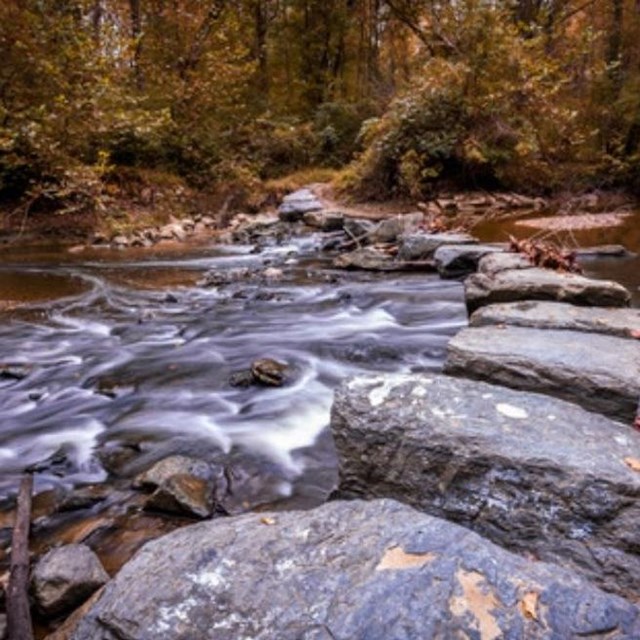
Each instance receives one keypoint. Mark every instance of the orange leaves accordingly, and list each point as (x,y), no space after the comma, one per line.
(545,254)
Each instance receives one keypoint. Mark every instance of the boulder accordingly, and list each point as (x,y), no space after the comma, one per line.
(324,220)
(458,260)
(171,466)
(598,372)
(368,259)
(359,228)
(624,323)
(296,204)
(390,229)
(533,474)
(542,284)
(184,494)
(65,577)
(422,246)
(377,570)
(496,262)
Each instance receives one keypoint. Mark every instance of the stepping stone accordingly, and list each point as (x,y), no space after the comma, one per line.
(296,204)
(376,570)
(422,246)
(599,372)
(542,284)
(458,260)
(533,474)
(624,323)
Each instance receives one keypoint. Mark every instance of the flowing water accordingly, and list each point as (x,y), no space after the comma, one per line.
(126,346)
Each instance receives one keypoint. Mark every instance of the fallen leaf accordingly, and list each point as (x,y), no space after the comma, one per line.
(635,333)
(633,463)
(529,605)
(268,521)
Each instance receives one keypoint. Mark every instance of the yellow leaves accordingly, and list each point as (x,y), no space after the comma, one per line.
(529,605)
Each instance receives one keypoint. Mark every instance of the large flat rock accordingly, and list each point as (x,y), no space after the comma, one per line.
(515,285)
(378,570)
(621,322)
(598,372)
(531,473)
(422,246)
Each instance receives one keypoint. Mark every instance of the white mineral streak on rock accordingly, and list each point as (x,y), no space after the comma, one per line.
(511,411)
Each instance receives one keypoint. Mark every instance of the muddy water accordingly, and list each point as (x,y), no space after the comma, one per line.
(125,346)
(626,271)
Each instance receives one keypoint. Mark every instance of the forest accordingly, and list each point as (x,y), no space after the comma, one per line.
(389,98)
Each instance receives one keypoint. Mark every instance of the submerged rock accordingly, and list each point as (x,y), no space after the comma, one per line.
(531,473)
(598,372)
(377,570)
(542,284)
(65,577)
(624,323)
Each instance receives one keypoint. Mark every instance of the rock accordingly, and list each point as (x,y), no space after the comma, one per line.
(172,231)
(120,241)
(184,495)
(3,626)
(171,466)
(359,228)
(598,372)
(624,323)
(533,474)
(223,277)
(65,577)
(68,627)
(368,259)
(390,229)
(273,273)
(542,284)
(296,204)
(269,372)
(422,246)
(14,371)
(324,220)
(496,262)
(457,260)
(115,456)
(378,570)
(603,251)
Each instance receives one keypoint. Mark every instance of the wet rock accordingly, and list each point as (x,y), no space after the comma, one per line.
(496,262)
(598,372)
(241,378)
(324,220)
(368,259)
(115,456)
(3,626)
(65,577)
(269,372)
(171,466)
(422,246)
(84,498)
(603,251)
(457,260)
(375,570)
(624,323)
(184,494)
(14,371)
(390,229)
(296,204)
(531,473)
(224,277)
(359,228)
(542,284)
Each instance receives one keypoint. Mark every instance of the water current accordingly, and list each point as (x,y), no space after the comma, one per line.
(114,346)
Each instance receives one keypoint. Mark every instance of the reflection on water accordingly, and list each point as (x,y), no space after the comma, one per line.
(133,350)
(626,271)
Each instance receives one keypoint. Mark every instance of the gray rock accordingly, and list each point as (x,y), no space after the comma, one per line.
(324,220)
(542,284)
(624,323)
(422,246)
(496,262)
(296,204)
(368,259)
(533,474)
(598,372)
(66,576)
(603,251)
(359,228)
(390,229)
(377,570)
(120,241)
(457,260)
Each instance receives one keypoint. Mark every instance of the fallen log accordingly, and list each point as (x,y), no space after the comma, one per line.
(18,612)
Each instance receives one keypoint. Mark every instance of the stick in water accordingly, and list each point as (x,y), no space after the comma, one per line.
(18,612)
